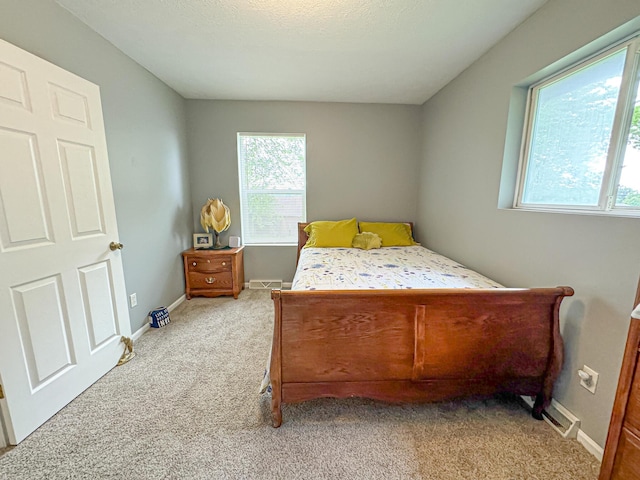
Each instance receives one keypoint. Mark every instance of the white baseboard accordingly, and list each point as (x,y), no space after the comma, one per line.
(138,333)
(592,447)
(146,326)
(3,439)
(177,303)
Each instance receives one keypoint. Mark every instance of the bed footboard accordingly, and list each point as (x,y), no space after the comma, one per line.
(415,345)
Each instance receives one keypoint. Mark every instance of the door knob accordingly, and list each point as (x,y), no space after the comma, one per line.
(116,246)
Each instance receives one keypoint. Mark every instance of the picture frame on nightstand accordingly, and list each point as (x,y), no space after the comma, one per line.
(202,240)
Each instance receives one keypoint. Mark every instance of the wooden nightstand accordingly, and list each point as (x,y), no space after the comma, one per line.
(212,273)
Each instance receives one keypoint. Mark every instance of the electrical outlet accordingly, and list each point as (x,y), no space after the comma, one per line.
(133,300)
(588,378)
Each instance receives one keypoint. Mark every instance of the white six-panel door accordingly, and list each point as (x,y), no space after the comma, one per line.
(62,295)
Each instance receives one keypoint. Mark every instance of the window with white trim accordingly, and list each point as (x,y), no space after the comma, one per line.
(272,172)
(581,144)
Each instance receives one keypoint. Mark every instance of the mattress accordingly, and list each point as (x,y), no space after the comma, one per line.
(414,267)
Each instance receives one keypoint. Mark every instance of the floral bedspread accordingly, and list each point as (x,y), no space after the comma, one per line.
(383,268)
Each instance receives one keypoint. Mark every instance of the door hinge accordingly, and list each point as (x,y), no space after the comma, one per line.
(1,393)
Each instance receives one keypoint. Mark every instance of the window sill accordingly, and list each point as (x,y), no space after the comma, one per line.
(270,244)
(577,211)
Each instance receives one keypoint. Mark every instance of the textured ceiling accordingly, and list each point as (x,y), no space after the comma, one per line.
(370,51)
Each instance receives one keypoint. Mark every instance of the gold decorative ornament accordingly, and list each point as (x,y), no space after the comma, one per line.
(215,215)
(126,355)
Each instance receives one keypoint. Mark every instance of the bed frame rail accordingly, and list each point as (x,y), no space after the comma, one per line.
(415,345)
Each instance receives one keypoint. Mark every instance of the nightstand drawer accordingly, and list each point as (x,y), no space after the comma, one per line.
(211,280)
(209,264)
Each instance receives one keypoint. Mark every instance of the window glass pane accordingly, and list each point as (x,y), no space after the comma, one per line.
(571,134)
(274,163)
(629,186)
(272,187)
(273,218)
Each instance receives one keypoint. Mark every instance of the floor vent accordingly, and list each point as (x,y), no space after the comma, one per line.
(265,284)
(561,419)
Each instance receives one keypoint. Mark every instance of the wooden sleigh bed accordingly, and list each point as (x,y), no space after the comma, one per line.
(414,345)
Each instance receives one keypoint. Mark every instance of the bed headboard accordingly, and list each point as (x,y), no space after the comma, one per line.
(303,237)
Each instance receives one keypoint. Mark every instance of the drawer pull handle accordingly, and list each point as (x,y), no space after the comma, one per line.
(194,264)
(210,280)
(224,263)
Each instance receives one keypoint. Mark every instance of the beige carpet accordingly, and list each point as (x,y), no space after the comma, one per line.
(187,408)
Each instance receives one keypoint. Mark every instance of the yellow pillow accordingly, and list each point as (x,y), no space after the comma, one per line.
(331,234)
(392,234)
(367,241)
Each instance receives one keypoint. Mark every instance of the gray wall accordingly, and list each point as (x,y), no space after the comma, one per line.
(361,161)
(146,138)
(464,139)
